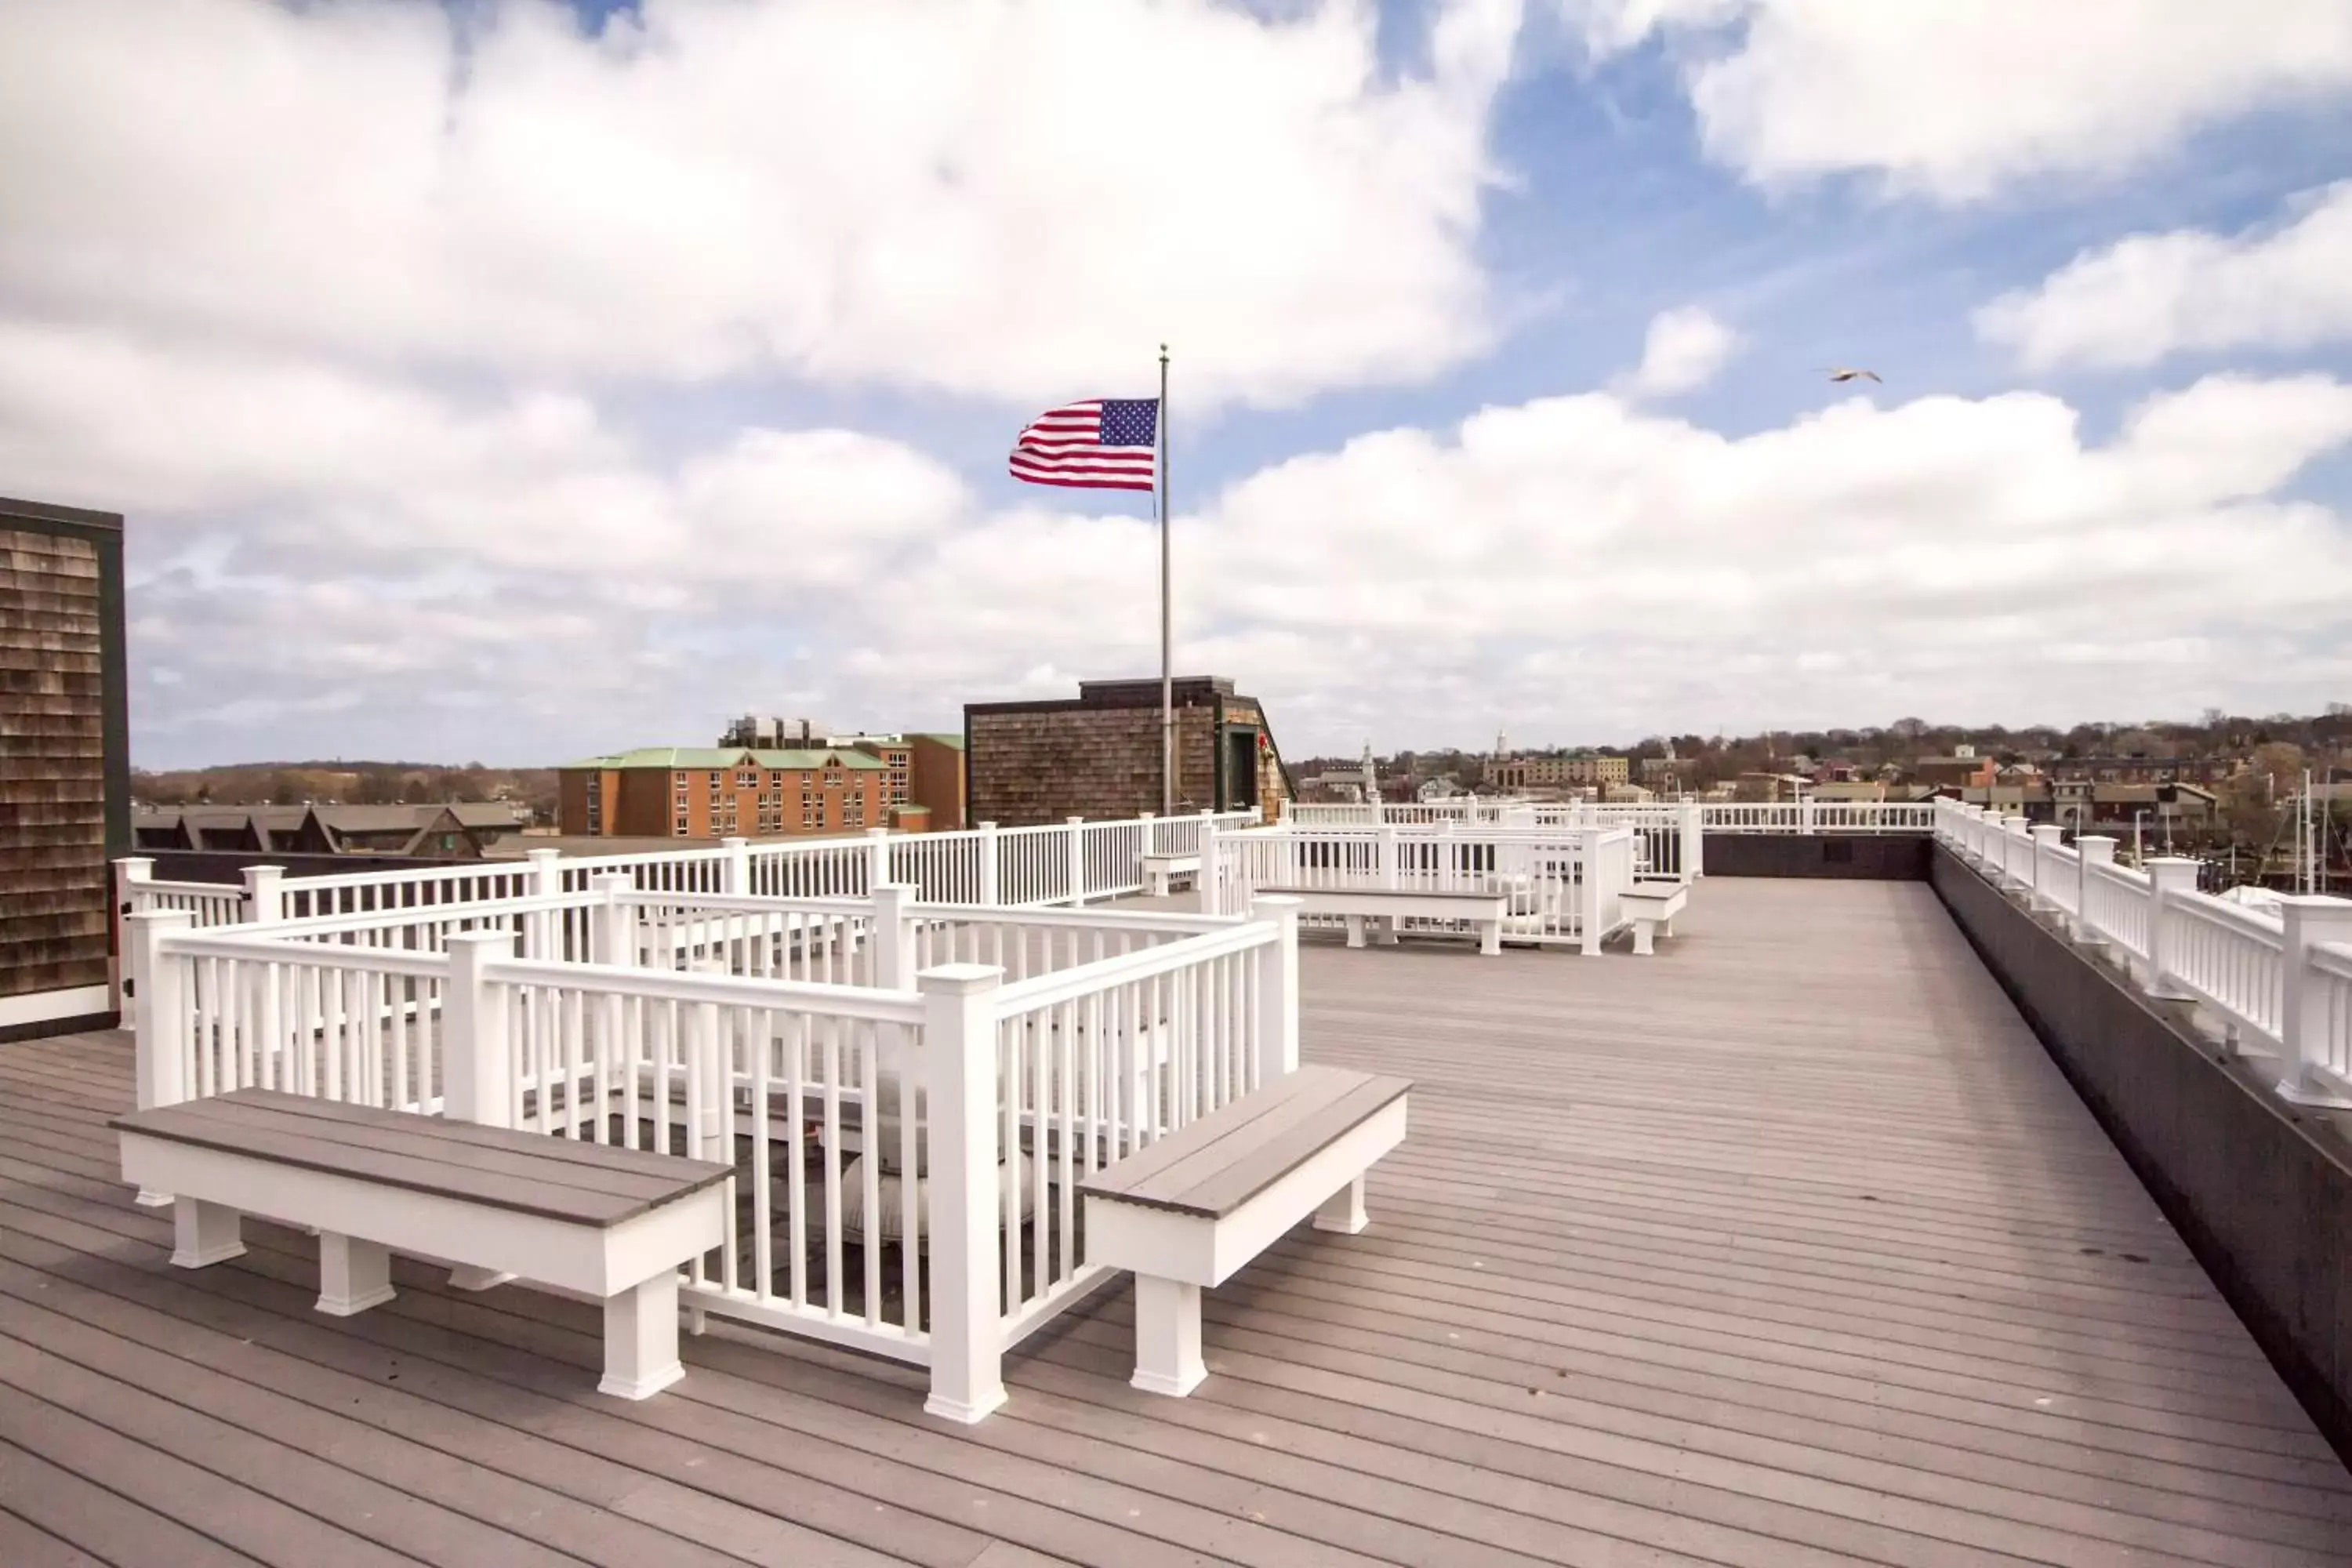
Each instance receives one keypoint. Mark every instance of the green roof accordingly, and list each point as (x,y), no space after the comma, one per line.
(951,739)
(718,759)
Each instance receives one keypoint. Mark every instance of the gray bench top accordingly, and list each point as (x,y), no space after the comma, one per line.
(1214,1165)
(1660,890)
(527,1173)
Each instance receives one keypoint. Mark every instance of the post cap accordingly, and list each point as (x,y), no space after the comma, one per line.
(2315,909)
(488,942)
(164,917)
(960,979)
(613,882)
(735,843)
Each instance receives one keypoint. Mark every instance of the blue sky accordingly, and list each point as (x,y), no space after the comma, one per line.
(571,380)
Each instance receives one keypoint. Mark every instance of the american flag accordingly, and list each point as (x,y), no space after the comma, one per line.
(1102,444)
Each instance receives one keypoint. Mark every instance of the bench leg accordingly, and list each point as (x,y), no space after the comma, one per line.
(1167,1337)
(468,1276)
(205,1234)
(1641,930)
(1385,931)
(1343,1211)
(641,1338)
(1355,931)
(1490,939)
(353,1275)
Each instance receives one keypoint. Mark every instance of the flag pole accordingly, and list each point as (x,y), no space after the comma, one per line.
(1166,663)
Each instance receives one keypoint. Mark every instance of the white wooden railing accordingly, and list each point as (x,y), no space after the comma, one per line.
(1714,816)
(916,1096)
(1565,886)
(2276,985)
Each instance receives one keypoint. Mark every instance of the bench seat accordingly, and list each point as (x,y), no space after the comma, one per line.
(1189,1211)
(1651,906)
(608,1222)
(1160,871)
(1482,907)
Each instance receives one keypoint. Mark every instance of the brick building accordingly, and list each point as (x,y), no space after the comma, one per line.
(688,792)
(64,764)
(935,780)
(1097,755)
(1561,772)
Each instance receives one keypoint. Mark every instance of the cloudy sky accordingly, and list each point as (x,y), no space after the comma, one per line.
(513,380)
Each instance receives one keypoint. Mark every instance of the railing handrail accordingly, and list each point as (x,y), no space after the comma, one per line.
(866,1003)
(1100,974)
(2236,918)
(421,914)
(267,944)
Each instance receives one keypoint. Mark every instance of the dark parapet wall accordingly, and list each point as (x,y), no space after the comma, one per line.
(2261,1191)
(1852,857)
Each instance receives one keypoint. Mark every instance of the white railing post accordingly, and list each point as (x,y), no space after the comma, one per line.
(613,923)
(478,1061)
(2303,995)
(265,901)
(738,876)
(2012,835)
(894,938)
(1076,827)
(988,865)
(1587,891)
(1390,874)
(160,1046)
(1151,833)
(1694,841)
(967,1300)
(1805,814)
(877,862)
(2169,879)
(546,872)
(2045,864)
(710,1088)
(2097,850)
(1278,983)
(1206,881)
(131,874)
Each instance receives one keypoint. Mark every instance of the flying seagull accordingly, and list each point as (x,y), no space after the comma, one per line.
(1844,374)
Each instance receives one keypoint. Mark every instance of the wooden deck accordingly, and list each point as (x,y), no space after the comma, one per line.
(1786,1247)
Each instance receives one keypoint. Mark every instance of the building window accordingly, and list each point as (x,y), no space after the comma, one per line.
(680,830)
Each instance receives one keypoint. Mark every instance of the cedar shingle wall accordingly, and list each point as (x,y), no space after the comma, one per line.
(1098,763)
(54,883)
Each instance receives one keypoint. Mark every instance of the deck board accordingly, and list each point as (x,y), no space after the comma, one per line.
(1787,1246)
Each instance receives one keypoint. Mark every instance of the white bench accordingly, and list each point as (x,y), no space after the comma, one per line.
(1482,909)
(611,1223)
(1160,871)
(1189,1210)
(1651,906)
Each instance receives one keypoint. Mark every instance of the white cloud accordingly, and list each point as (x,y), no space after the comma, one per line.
(1956,100)
(981,199)
(1573,566)
(344,468)
(1684,350)
(2152,295)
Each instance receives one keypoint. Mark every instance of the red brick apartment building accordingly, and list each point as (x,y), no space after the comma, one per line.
(694,792)
(688,792)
